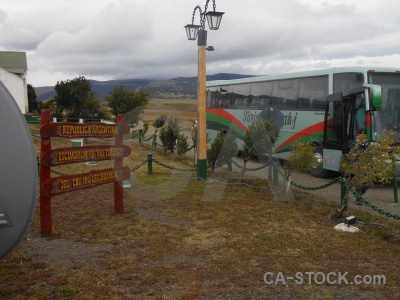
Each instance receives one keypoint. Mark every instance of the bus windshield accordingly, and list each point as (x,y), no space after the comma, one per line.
(388,117)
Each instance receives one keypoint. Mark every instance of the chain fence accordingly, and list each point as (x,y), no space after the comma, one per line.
(293,183)
(250,169)
(370,205)
(155,143)
(344,182)
(172,168)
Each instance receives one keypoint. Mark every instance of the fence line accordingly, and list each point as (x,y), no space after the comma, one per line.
(149,160)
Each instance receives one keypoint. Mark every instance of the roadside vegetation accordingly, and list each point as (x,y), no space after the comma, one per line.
(369,164)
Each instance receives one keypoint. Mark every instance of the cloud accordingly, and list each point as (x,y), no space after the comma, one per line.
(115,39)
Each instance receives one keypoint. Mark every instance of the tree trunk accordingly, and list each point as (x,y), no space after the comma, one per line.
(345,202)
(241,174)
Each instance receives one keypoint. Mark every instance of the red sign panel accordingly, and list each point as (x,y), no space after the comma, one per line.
(86,153)
(79,130)
(64,184)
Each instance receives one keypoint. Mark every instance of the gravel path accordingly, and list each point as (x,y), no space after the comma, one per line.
(380,196)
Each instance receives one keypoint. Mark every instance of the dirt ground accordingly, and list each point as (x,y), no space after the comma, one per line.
(181,238)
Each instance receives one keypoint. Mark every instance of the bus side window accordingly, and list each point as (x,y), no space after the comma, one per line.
(289,103)
(240,103)
(277,102)
(312,92)
(360,112)
(255,103)
(264,103)
(303,103)
(316,103)
(214,103)
(259,103)
(393,103)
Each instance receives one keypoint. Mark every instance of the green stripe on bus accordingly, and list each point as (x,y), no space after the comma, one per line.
(218,119)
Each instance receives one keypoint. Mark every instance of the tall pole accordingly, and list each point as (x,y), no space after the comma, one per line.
(201,107)
(118,186)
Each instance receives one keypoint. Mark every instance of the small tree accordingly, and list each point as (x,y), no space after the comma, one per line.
(300,159)
(370,166)
(32,99)
(259,139)
(182,144)
(222,149)
(128,102)
(169,133)
(73,97)
(49,104)
(160,121)
(142,131)
(91,108)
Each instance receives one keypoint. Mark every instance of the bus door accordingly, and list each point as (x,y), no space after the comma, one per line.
(354,105)
(344,116)
(335,133)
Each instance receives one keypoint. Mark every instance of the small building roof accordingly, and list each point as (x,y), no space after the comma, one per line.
(14,62)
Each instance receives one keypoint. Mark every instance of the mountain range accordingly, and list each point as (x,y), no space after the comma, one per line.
(175,88)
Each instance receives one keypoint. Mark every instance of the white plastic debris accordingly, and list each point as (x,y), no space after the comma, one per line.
(344,227)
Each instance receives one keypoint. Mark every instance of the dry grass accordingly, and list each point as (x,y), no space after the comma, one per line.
(184,109)
(184,239)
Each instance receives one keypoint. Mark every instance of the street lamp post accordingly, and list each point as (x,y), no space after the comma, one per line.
(199,32)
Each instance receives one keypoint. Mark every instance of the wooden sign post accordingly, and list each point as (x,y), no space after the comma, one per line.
(63,184)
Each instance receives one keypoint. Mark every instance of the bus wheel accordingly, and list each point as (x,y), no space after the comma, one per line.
(318,170)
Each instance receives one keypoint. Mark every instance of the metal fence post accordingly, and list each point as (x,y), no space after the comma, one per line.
(275,175)
(229,163)
(149,163)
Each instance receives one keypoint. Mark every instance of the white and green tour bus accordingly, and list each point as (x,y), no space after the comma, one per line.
(324,107)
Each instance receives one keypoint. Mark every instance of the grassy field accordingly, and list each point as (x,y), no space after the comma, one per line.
(180,238)
(185,110)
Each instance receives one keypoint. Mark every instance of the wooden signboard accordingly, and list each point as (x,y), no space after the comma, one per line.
(53,157)
(64,184)
(82,130)
(82,154)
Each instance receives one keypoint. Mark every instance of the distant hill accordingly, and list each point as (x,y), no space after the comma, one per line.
(175,88)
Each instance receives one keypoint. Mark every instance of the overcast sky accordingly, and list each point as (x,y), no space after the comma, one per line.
(132,39)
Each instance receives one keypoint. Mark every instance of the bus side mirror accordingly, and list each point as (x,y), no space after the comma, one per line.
(335,97)
(376,96)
